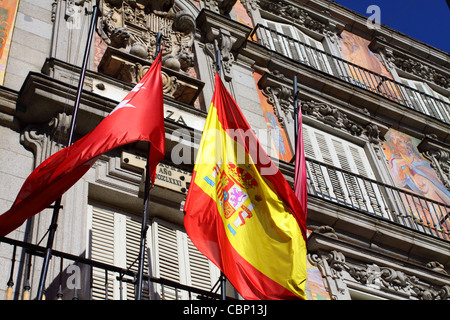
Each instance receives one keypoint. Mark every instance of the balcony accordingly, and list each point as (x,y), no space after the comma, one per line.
(351,73)
(380,200)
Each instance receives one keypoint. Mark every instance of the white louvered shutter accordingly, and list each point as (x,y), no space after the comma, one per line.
(167,260)
(102,250)
(202,273)
(336,185)
(178,260)
(115,240)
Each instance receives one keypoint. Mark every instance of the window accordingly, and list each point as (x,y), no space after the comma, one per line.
(297,45)
(177,259)
(426,100)
(115,239)
(339,171)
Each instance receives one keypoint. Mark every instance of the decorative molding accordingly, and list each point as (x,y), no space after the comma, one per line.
(128,68)
(221,33)
(409,64)
(132,26)
(438,154)
(337,273)
(293,13)
(338,119)
(44,140)
(423,71)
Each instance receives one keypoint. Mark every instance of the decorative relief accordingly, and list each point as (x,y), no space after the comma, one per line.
(44,140)
(439,157)
(221,40)
(130,29)
(293,13)
(415,67)
(337,272)
(132,26)
(220,6)
(336,118)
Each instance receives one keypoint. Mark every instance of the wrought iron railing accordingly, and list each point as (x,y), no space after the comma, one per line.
(326,182)
(167,289)
(390,203)
(352,73)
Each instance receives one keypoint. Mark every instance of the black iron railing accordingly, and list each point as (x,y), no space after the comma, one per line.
(154,288)
(352,73)
(326,182)
(400,206)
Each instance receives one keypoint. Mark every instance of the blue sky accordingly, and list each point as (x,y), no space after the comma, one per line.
(424,20)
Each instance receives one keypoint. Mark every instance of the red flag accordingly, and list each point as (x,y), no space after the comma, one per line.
(300,183)
(240,211)
(139,117)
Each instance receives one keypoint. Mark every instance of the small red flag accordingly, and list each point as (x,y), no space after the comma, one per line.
(300,183)
(139,117)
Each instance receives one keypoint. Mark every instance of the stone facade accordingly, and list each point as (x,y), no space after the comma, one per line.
(359,254)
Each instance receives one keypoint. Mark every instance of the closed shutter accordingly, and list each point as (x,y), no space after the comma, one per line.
(178,260)
(115,240)
(343,186)
(102,250)
(297,45)
(202,273)
(133,241)
(167,260)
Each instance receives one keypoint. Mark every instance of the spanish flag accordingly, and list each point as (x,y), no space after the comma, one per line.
(241,213)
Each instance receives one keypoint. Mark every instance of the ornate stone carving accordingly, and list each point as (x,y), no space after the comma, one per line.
(282,101)
(415,67)
(439,156)
(337,272)
(293,13)
(132,26)
(220,6)
(222,34)
(44,140)
(332,266)
(336,118)
(436,266)
(123,66)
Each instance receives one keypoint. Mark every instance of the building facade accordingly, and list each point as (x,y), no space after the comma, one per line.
(376,123)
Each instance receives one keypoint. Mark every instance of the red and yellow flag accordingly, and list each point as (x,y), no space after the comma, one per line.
(240,211)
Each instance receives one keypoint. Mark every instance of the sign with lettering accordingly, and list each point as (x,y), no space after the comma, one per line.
(166,176)
(180,116)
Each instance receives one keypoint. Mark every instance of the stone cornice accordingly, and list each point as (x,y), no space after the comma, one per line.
(8,99)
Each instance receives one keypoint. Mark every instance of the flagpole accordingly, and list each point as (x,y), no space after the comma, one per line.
(57,205)
(222,277)
(144,226)
(295,112)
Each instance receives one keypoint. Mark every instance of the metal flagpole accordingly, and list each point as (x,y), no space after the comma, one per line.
(295,112)
(57,205)
(223,278)
(144,225)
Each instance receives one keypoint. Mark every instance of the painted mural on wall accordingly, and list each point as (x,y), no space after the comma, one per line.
(278,136)
(8,11)
(356,50)
(412,172)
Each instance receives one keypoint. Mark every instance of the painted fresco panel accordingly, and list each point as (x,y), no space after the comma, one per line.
(412,172)
(8,11)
